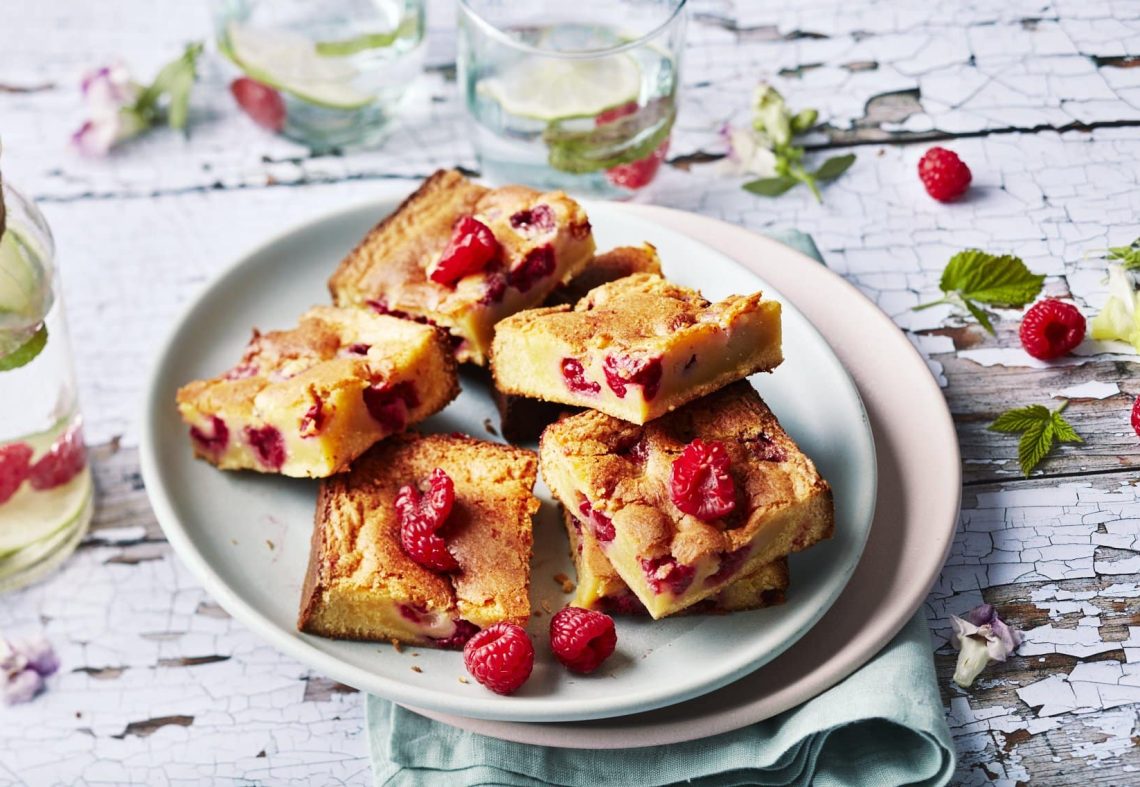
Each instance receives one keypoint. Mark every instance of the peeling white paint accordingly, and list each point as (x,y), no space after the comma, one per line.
(1093,389)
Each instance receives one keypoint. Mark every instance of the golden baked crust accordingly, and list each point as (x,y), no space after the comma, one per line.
(390,266)
(522,418)
(306,391)
(359,577)
(622,470)
(637,347)
(600,587)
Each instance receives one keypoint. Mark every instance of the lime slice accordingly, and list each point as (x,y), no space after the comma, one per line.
(31,516)
(552,90)
(25,294)
(290,62)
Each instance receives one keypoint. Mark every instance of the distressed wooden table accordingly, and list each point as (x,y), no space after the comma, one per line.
(1041,97)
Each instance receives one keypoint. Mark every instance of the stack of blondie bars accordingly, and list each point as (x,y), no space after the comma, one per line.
(680,490)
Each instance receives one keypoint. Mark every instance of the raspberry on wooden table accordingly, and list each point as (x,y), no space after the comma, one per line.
(700,484)
(1136,416)
(582,638)
(500,657)
(421,515)
(1051,328)
(945,176)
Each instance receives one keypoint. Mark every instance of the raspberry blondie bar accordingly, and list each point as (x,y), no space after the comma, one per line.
(687,503)
(522,419)
(463,257)
(600,587)
(636,348)
(308,401)
(377,573)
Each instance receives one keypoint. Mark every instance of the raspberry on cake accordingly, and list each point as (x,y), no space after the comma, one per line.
(636,348)
(677,523)
(462,256)
(600,587)
(521,418)
(369,576)
(307,401)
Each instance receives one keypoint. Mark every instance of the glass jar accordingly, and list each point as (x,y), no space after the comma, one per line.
(46,490)
(327,74)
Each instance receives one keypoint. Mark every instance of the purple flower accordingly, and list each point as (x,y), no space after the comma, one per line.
(23,666)
(111,97)
(981,638)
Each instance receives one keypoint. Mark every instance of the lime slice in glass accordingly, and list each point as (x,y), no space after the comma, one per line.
(291,63)
(562,89)
(31,515)
(25,293)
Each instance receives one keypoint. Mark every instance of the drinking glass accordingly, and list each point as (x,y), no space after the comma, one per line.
(333,72)
(579,96)
(45,484)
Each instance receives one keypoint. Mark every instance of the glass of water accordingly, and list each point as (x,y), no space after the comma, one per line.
(575,95)
(45,484)
(326,73)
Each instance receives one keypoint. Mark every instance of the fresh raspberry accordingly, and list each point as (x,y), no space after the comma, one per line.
(1051,328)
(945,176)
(623,370)
(268,445)
(262,103)
(471,247)
(464,631)
(500,657)
(1136,416)
(61,463)
(421,515)
(636,174)
(14,468)
(700,484)
(574,373)
(581,638)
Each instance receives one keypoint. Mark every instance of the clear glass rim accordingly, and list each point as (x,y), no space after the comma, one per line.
(588,54)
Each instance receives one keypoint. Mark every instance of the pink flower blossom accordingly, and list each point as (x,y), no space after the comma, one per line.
(981,638)
(23,666)
(111,96)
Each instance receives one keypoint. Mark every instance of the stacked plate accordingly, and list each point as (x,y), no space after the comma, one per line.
(852,392)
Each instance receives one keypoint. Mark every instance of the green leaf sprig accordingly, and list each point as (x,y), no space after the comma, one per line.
(776,128)
(1039,428)
(973,279)
(1128,256)
(174,82)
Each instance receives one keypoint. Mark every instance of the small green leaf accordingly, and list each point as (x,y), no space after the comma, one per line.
(980,315)
(770,187)
(1039,429)
(1129,256)
(624,141)
(26,352)
(1020,418)
(1035,443)
(834,167)
(991,279)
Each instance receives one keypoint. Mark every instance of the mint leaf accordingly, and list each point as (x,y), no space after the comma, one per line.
(1020,418)
(991,279)
(974,277)
(1039,429)
(174,80)
(622,141)
(770,187)
(1129,256)
(834,167)
(26,352)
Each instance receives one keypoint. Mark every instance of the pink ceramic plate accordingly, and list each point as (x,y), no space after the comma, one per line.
(919,473)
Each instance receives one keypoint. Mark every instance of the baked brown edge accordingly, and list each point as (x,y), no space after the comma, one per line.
(312,586)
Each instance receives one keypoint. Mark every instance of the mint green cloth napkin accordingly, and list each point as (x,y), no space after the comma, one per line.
(882,726)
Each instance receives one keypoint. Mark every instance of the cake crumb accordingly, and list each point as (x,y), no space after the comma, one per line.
(399,648)
(464,680)
(565,581)
(416,668)
(415,655)
(233,541)
(546,606)
(269,543)
(537,613)
(490,427)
